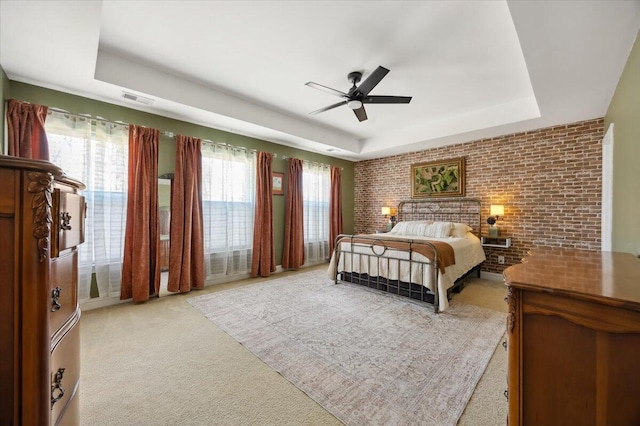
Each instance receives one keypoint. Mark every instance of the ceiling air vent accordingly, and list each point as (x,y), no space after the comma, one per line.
(136,98)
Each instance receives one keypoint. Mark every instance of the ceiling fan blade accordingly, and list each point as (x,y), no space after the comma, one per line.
(326,89)
(328,108)
(372,81)
(386,99)
(360,113)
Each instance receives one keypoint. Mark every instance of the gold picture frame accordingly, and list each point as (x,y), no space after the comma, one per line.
(443,178)
(277,182)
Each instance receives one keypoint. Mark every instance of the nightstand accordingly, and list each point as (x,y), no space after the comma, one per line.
(502,241)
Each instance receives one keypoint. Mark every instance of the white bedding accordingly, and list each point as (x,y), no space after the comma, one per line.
(468,253)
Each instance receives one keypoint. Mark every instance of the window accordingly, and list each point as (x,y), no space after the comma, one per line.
(316,190)
(95,153)
(228,192)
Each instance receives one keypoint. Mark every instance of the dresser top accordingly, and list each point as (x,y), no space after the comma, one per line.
(608,277)
(11,162)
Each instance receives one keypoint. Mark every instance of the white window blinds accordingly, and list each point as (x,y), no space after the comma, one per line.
(316,189)
(228,182)
(96,153)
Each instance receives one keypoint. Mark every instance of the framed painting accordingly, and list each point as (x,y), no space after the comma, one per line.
(443,178)
(277,181)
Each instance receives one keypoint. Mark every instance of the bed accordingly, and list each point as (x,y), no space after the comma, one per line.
(427,256)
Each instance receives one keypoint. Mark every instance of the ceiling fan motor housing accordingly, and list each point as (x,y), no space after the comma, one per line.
(355,77)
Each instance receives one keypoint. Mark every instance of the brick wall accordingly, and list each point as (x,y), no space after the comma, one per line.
(548,180)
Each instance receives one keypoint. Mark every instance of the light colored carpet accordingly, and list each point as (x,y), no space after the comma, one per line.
(163,363)
(367,357)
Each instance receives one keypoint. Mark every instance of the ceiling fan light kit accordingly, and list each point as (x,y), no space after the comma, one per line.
(359,95)
(354,104)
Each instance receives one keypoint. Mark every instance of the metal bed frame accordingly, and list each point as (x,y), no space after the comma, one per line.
(461,210)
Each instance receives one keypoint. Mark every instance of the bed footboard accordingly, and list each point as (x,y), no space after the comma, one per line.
(396,266)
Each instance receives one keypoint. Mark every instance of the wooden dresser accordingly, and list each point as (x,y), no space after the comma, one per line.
(573,331)
(41,225)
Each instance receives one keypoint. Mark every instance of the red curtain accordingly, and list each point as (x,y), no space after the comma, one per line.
(25,123)
(141,265)
(293,254)
(263,261)
(335,207)
(186,259)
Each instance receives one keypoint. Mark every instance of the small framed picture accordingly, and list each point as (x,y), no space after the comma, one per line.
(277,180)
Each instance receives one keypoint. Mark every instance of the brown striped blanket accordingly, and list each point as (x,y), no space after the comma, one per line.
(445,254)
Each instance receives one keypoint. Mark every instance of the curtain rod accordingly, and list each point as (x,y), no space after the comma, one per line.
(315,163)
(85,116)
(173,135)
(225,145)
(162,132)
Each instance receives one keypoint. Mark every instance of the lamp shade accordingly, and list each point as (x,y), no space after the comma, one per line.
(386,210)
(497,210)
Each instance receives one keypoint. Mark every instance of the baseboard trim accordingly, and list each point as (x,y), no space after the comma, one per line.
(102,302)
(493,276)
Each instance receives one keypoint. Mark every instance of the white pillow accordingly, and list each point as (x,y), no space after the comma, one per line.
(415,227)
(460,230)
(438,230)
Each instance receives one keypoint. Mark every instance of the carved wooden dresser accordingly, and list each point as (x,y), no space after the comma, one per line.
(41,225)
(573,331)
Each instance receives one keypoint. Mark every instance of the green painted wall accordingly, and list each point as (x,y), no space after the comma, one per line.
(81,105)
(4,95)
(624,112)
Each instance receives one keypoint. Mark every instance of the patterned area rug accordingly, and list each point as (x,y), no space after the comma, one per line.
(368,357)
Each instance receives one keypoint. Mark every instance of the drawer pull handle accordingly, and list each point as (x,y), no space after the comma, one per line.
(57,387)
(65,219)
(55,295)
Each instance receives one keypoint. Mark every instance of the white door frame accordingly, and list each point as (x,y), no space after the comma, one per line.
(606,232)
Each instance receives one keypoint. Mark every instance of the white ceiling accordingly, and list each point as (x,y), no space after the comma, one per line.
(475,69)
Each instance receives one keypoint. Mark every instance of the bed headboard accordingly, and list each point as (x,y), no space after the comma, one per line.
(462,210)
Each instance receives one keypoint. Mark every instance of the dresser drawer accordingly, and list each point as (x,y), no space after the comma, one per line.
(63,292)
(68,229)
(65,375)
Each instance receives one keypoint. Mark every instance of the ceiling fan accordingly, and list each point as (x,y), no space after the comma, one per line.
(359,95)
